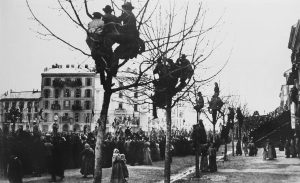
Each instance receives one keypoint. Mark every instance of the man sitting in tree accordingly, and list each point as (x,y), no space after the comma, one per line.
(199,102)
(186,69)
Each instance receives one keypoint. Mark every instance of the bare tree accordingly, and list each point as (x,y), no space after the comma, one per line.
(158,26)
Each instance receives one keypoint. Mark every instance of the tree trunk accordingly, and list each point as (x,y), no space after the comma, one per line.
(214,133)
(100,137)
(197,153)
(168,141)
(225,150)
(232,141)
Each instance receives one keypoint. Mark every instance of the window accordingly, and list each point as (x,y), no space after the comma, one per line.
(87,105)
(14,104)
(29,117)
(78,93)
(87,93)
(120,105)
(67,93)
(67,104)
(46,93)
(78,82)
(68,82)
(6,105)
(135,107)
(46,115)
(21,106)
(65,117)
(36,106)
(47,81)
(77,102)
(87,117)
(88,81)
(76,116)
(29,106)
(56,93)
(46,104)
(55,105)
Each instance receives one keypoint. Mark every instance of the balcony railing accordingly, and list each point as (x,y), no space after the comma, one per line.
(76,107)
(55,107)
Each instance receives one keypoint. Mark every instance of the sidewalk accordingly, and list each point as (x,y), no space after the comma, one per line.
(252,169)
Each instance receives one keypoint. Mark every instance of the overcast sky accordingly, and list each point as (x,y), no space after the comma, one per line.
(256,30)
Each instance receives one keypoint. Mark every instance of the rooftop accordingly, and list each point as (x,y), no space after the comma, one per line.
(68,69)
(34,94)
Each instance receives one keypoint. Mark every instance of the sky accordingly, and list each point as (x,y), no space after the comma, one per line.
(254,34)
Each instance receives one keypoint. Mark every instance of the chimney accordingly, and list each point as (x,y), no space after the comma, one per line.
(72,66)
(67,66)
(45,69)
(86,66)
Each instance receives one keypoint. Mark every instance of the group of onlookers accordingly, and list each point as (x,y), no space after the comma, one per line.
(269,152)
(292,148)
(208,158)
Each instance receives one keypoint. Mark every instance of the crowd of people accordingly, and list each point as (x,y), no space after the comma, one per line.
(36,153)
(292,147)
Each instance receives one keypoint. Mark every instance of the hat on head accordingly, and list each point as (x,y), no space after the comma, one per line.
(97,15)
(127,6)
(107,9)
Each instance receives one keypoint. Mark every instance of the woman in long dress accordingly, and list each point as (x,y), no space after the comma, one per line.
(117,174)
(212,158)
(147,154)
(88,158)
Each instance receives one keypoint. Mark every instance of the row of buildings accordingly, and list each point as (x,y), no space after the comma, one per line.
(71,96)
(293,80)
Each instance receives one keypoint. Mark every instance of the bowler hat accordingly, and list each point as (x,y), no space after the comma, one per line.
(127,6)
(107,9)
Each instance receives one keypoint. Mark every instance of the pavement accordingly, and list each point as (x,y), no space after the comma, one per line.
(241,169)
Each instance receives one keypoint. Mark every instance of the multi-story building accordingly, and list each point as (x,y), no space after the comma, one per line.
(294,75)
(22,107)
(67,97)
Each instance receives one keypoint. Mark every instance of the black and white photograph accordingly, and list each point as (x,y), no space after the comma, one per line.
(149,91)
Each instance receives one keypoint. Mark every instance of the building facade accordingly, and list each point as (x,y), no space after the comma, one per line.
(22,107)
(293,76)
(67,97)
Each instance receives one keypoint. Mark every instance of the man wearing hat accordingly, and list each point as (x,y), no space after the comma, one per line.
(128,19)
(108,17)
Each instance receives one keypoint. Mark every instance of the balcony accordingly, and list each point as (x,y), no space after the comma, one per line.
(58,83)
(55,107)
(76,107)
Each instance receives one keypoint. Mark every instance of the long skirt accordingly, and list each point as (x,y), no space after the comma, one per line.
(147,156)
(87,166)
(117,174)
(204,164)
(212,164)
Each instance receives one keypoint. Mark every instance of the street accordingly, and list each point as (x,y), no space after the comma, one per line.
(253,169)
